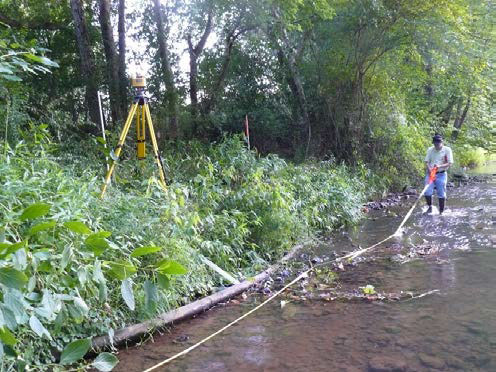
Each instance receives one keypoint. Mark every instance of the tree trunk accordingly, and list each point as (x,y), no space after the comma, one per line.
(296,84)
(460,120)
(447,112)
(171,93)
(86,60)
(123,81)
(111,59)
(217,88)
(194,53)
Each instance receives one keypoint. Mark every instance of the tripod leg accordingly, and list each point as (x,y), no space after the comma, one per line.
(118,148)
(158,158)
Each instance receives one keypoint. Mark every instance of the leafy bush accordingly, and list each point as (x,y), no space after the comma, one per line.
(468,156)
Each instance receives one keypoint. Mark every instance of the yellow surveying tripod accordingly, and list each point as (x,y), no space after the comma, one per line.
(141,111)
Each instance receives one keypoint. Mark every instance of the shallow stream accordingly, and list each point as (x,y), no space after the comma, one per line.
(453,328)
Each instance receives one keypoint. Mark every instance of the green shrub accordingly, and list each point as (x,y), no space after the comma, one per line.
(468,156)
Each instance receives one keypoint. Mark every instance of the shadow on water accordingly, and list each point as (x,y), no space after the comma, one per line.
(454,329)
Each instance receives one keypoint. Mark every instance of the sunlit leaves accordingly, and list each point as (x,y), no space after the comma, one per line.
(8,248)
(42,227)
(127,293)
(105,362)
(163,281)
(121,269)
(96,242)
(142,251)
(38,328)
(34,211)
(170,267)
(77,227)
(151,296)
(7,337)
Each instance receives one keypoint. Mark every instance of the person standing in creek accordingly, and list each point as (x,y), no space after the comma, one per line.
(439,156)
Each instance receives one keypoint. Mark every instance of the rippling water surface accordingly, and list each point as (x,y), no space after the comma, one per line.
(452,329)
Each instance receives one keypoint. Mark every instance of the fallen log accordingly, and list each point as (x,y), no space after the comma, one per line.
(134,331)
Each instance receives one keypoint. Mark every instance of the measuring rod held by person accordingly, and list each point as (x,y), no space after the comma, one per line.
(437,160)
(139,110)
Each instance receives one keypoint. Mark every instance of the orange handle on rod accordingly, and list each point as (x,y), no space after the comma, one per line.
(432,174)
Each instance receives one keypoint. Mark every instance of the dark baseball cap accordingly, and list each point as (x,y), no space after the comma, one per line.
(437,138)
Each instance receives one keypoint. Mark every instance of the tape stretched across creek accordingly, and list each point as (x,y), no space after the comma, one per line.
(349,256)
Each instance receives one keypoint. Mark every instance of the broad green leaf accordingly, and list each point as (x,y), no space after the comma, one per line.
(150,296)
(121,269)
(142,251)
(67,256)
(35,210)
(81,305)
(102,291)
(12,278)
(50,306)
(14,301)
(48,62)
(5,69)
(31,284)
(171,267)
(75,351)
(163,281)
(20,259)
(7,248)
(7,337)
(99,235)
(9,318)
(96,245)
(11,77)
(33,57)
(82,274)
(127,293)
(77,227)
(105,362)
(38,328)
(41,227)
(9,351)
(97,272)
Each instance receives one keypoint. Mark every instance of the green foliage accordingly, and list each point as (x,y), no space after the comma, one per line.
(468,156)
(18,57)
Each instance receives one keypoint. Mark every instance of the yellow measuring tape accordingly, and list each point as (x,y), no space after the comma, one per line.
(349,256)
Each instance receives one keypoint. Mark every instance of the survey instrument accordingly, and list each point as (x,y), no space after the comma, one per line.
(140,112)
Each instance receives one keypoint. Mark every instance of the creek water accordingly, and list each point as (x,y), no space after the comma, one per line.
(453,328)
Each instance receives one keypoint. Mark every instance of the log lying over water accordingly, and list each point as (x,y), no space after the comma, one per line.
(134,331)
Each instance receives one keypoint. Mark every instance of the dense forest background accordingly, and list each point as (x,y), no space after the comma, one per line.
(359,81)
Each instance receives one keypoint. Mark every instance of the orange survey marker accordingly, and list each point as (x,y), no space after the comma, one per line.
(432,174)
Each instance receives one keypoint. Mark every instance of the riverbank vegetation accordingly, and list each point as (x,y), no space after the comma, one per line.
(76,266)
(341,99)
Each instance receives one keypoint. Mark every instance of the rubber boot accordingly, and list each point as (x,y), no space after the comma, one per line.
(428,199)
(441,205)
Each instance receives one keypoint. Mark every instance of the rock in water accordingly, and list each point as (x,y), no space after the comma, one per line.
(431,361)
(384,363)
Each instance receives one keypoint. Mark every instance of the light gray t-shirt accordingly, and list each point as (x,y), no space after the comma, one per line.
(435,157)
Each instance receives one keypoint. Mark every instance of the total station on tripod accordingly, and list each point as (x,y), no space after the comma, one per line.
(141,112)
